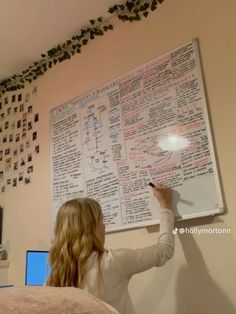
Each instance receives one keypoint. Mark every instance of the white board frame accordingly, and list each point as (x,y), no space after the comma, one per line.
(184,209)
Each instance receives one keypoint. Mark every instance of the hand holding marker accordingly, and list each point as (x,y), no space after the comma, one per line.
(163,195)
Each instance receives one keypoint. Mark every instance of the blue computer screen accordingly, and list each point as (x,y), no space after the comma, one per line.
(37,269)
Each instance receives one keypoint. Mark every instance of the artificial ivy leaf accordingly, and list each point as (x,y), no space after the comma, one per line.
(113,9)
(100,19)
(43,55)
(121,7)
(92,22)
(129,5)
(145,14)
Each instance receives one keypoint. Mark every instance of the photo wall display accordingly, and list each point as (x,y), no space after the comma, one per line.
(19,143)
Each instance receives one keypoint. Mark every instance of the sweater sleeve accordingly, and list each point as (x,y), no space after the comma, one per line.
(133,261)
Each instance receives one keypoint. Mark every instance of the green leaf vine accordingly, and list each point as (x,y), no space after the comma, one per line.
(131,10)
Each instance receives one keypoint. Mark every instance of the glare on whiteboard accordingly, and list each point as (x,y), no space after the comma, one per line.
(173,142)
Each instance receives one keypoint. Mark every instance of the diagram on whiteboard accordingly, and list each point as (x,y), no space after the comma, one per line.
(149,125)
(94,138)
(147,153)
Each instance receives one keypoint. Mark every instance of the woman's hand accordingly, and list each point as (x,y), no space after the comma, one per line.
(164,195)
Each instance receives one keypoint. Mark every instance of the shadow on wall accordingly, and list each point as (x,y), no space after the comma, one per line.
(196,291)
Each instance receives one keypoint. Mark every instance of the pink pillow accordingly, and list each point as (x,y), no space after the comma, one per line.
(51,300)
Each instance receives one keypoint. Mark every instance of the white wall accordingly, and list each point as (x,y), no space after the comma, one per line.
(201,276)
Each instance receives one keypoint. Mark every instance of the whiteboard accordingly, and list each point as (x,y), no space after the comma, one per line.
(149,125)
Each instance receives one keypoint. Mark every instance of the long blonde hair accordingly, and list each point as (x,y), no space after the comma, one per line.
(75,239)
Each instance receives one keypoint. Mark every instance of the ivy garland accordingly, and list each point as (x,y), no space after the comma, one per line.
(132,10)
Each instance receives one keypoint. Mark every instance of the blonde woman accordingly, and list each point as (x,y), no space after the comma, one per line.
(78,257)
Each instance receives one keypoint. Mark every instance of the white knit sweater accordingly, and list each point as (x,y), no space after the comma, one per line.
(117,267)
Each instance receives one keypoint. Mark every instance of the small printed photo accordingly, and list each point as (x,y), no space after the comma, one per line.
(15,110)
(27,144)
(0,105)
(29,125)
(8,111)
(21,107)
(6,101)
(7,151)
(27,180)
(8,181)
(4,140)
(8,164)
(19,97)
(21,175)
(1,154)
(1,176)
(27,97)
(34,91)
(30,109)
(30,169)
(24,116)
(36,117)
(17,137)
(29,157)
(22,163)
(24,135)
(13,125)
(14,183)
(15,166)
(18,124)
(21,148)
(36,149)
(10,137)
(15,152)
(3,189)
(34,136)
(2,116)
(13,98)
(6,125)
(0,129)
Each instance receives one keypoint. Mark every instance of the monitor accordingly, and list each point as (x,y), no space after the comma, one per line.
(37,269)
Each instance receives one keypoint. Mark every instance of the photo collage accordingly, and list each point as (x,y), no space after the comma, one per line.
(18,139)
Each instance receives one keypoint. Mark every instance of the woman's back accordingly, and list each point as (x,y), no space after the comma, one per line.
(108,278)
